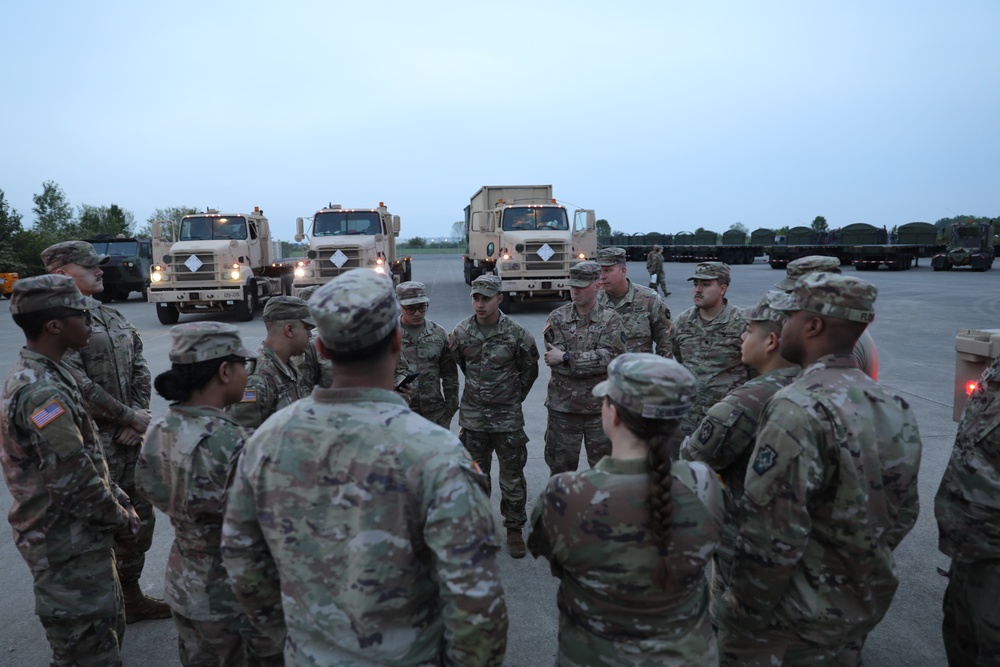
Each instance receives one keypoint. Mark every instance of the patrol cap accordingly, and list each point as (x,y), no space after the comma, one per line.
(584,274)
(411,293)
(487,284)
(307,292)
(833,295)
(763,312)
(806,265)
(649,385)
(203,341)
(611,256)
(280,308)
(31,295)
(656,246)
(711,271)
(71,252)
(355,310)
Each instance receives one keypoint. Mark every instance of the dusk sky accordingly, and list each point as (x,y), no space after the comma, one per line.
(661,116)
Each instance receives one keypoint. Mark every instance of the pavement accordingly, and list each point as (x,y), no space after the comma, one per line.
(918,313)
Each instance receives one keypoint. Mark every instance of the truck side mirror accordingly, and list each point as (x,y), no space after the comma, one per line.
(395,225)
(155,230)
(299,229)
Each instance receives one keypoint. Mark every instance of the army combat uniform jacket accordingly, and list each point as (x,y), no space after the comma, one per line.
(499,370)
(591,346)
(593,526)
(314,370)
(273,385)
(65,503)
(646,318)
(366,523)
(830,492)
(428,354)
(711,351)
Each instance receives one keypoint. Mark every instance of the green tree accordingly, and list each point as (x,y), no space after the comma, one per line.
(111,220)
(603,227)
(417,242)
(173,213)
(10,230)
(458,229)
(738,227)
(53,213)
(819,224)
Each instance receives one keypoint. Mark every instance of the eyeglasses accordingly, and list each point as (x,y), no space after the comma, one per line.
(419,308)
(249,363)
(78,313)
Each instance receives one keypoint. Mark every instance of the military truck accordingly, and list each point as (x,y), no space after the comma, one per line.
(128,265)
(521,234)
(219,262)
(7,281)
(969,244)
(341,239)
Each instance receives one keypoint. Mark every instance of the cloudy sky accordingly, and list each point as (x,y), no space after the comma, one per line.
(661,116)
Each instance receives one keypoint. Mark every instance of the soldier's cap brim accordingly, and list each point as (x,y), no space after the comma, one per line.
(413,301)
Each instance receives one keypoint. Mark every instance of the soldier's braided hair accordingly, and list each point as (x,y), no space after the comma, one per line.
(657,435)
(182,380)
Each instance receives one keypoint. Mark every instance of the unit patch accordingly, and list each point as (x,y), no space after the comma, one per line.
(44,415)
(766,458)
(249,396)
(705,431)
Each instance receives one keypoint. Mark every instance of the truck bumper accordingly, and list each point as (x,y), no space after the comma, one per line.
(535,288)
(196,297)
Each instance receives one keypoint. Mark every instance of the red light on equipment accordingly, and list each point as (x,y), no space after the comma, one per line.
(970,387)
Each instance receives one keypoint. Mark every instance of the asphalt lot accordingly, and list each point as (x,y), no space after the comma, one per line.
(918,313)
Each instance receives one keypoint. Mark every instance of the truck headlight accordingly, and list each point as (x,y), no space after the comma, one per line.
(234,274)
(300,272)
(158,274)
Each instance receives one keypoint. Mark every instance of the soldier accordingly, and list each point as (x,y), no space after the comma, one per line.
(66,510)
(363,521)
(276,382)
(183,469)
(708,340)
(646,316)
(499,359)
(581,339)
(425,351)
(968,518)
(631,538)
(830,492)
(654,266)
(116,381)
(314,370)
(865,352)
(725,437)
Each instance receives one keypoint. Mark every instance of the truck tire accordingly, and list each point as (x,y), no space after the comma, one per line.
(507,304)
(246,307)
(105,297)
(167,313)
(407,271)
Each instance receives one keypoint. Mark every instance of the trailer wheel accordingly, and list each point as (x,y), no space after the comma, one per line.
(167,313)
(246,307)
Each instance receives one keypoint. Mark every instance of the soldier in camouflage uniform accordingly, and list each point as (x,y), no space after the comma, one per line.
(830,492)
(631,538)
(646,316)
(967,507)
(276,383)
(707,339)
(425,351)
(865,352)
(654,266)
(183,469)
(364,521)
(499,359)
(116,382)
(66,509)
(581,339)
(725,437)
(314,370)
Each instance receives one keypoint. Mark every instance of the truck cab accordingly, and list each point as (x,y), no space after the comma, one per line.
(969,244)
(127,269)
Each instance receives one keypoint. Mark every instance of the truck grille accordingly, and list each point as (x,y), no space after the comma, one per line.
(557,264)
(327,269)
(182,273)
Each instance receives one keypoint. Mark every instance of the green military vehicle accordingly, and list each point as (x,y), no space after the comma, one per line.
(970,244)
(127,269)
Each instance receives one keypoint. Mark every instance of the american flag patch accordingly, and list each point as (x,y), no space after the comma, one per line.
(249,396)
(45,415)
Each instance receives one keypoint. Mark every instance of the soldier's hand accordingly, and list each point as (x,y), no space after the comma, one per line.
(405,392)
(140,421)
(553,355)
(129,533)
(128,436)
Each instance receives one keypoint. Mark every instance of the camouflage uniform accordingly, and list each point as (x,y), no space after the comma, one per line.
(314,370)
(273,386)
(594,526)
(646,316)
(183,469)
(968,518)
(499,369)
(830,493)
(359,525)
(654,266)
(574,413)
(66,508)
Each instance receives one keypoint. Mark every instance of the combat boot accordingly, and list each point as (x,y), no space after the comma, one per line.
(515,543)
(138,607)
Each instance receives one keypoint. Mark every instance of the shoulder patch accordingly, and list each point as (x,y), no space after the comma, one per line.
(705,431)
(249,396)
(766,459)
(47,413)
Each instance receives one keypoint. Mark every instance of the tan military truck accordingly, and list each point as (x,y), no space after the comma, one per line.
(341,239)
(214,262)
(521,234)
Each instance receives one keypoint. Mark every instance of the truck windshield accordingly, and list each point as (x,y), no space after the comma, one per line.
(518,218)
(209,227)
(342,223)
(967,237)
(125,248)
